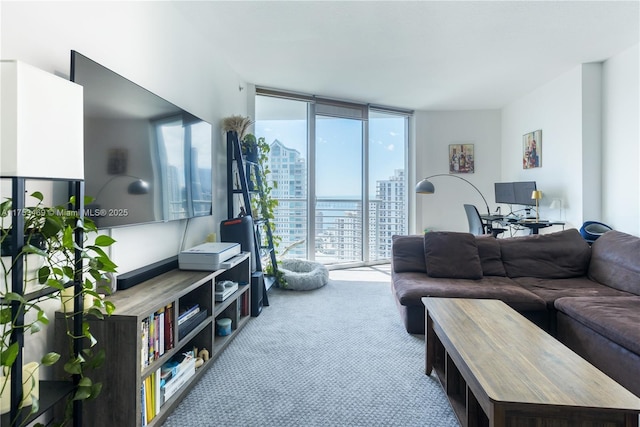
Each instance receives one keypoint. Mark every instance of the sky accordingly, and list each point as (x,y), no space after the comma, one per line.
(339,150)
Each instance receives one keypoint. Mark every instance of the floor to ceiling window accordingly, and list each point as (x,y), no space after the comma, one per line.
(340,176)
(387,183)
(339,202)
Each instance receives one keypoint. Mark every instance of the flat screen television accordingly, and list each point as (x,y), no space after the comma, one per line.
(146,159)
(515,193)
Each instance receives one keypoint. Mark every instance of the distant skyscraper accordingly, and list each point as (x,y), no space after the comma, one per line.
(390,215)
(289,170)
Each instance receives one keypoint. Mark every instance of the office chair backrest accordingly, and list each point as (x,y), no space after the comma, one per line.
(475,222)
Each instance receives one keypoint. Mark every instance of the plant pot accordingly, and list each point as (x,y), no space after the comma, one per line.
(33,238)
(250,153)
(30,387)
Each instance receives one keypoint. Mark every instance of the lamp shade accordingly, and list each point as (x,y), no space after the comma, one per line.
(41,124)
(536,194)
(138,187)
(425,187)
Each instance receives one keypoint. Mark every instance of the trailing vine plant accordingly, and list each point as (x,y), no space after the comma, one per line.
(50,233)
(262,201)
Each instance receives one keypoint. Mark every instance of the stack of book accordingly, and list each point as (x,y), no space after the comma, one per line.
(157,335)
(189,319)
(151,397)
(175,374)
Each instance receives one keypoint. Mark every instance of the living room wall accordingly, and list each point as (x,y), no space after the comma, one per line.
(434,131)
(621,141)
(131,38)
(556,109)
(588,116)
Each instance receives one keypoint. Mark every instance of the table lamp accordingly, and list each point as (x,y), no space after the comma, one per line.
(537,195)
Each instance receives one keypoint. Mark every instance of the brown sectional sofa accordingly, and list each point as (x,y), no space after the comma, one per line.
(586,296)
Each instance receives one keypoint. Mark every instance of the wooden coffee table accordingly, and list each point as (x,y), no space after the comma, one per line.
(499,369)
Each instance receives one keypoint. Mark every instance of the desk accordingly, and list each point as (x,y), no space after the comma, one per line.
(533,225)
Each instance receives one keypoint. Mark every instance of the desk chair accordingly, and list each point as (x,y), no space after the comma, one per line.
(477,226)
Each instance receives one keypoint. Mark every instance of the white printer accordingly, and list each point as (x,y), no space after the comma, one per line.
(208,256)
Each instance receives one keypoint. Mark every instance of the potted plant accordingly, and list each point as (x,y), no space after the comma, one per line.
(237,124)
(50,234)
(253,148)
(32,261)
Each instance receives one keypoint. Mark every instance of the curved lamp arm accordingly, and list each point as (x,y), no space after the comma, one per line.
(426,187)
(139,186)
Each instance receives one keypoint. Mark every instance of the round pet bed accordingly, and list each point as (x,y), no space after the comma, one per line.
(301,275)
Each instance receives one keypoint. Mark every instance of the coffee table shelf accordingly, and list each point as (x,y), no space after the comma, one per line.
(499,369)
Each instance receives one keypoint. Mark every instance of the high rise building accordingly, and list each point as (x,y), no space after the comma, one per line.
(289,170)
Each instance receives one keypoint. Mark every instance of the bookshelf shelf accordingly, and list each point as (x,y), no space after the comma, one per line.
(136,357)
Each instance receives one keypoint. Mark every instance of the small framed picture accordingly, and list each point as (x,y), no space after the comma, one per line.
(461,158)
(532,150)
(117,161)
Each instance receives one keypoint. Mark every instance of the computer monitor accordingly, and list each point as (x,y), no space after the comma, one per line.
(504,193)
(522,191)
(515,193)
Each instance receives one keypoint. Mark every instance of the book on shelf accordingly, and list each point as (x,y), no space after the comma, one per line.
(150,397)
(244,304)
(175,375)
(168,327)
(191,323)
(156,335)
(188,314)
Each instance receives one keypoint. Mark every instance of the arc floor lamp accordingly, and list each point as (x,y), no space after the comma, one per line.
(426,187)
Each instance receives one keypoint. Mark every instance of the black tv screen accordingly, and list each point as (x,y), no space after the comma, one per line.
(146,159)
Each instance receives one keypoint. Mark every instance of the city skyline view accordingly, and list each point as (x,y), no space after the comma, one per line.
(341,177)
(323,213)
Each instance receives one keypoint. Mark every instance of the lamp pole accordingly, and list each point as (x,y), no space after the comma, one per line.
(426,187)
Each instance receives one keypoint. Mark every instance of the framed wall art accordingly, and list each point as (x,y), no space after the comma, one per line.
(532,150)
(117,161)
(461,158)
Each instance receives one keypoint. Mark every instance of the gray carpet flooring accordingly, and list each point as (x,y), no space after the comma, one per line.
(334,356)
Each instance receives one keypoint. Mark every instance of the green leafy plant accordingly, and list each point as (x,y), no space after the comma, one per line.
(50,232)
(262,201)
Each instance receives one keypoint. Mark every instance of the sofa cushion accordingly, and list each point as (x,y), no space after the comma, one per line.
(408,253)
(452,254)
(489,252)
(615,261)
(552,289)
(557,255)
(409,289)
(616,318)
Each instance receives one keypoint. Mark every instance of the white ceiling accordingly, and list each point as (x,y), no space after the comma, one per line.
(424,55)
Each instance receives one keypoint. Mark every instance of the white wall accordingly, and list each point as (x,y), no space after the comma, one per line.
(434,131)
(556,109)
(621,142)
(589,118)
(131,38)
